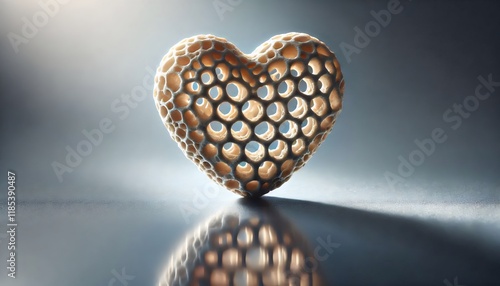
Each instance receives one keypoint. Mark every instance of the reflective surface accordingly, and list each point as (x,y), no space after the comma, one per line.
(97,243)
(250,245)
(120,213)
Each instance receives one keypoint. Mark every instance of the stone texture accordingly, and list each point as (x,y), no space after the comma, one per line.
(249,121)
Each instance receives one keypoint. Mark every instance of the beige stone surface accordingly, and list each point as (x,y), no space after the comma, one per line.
(249,121)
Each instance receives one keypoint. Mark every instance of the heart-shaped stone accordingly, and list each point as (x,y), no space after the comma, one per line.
(249,121)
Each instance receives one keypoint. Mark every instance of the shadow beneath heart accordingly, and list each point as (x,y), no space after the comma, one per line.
(357,247)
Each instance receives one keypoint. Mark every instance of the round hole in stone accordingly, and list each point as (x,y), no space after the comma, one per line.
(265,92)
(231,151)
(306,86)
(276,111)
(296,69)
(267,170)
(197,136)
(207,60)
(175,115)
(262,59)
(163,111)
(277,70)
(287,168)
(252,110)
(327,123)
(189,74)
(298,146)
(215,93)
(232,90)
(278,150)
(227,111)
(173,82)
(190,119)
(290,51)
(297,107)
(222,168)
(314,66)
(325,83)
(285,88)
(309,126)
(315,143)
(207,77)
(236,91)
(222,71)
(329,67)
(216,131)
(252,186)
(164,96)
(277,45)
(193,87)
(256,70)
(265,131)
(244,171)
(323,51)
(335,101)
(318,106)
(240,131)
(289,129)
(254,151)
(183,61)
(231,59)
(203,109)
(182,100)
(282,87)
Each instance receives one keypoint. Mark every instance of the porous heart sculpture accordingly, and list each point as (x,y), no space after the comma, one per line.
(249,121)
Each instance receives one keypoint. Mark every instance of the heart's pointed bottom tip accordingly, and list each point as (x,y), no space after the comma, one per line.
(253,196)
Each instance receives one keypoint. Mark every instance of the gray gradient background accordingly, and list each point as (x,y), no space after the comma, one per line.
(120,207)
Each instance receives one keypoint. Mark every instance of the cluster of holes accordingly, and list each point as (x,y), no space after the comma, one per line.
(236,251)
(249,121)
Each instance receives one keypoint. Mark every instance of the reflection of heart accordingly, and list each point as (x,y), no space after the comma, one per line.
(249,121)
(251,245)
